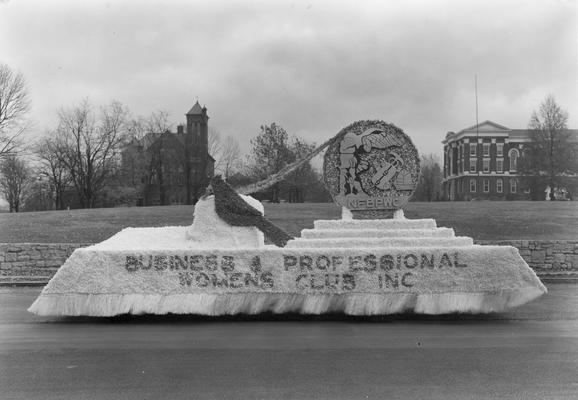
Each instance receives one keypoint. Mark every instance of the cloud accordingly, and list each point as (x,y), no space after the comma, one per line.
(312,67)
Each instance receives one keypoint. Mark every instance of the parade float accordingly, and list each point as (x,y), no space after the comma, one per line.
(372,261)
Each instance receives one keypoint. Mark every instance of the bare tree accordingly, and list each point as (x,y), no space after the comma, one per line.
(51,152)
(230,158)
(14,105)
(15,176)
(158,167)
(226,152)
(92,143)
(156,123)
(142,132)
(215,145)
(429,184)
(135,128)
(550,155)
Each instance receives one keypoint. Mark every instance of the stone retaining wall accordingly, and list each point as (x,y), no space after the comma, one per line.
(36,263)
(549,258)
(32,263)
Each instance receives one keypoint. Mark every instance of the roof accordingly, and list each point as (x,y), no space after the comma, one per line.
(520,134)
(489,128)
(485,126)
(527,133)
(149,139)
(196,110)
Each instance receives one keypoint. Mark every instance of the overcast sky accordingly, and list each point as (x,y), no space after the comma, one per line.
(312,67)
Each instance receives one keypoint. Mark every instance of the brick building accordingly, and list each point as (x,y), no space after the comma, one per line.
(168,167)
(481,163)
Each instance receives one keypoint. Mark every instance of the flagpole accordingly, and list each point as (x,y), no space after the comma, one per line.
(476,91)
(477,123)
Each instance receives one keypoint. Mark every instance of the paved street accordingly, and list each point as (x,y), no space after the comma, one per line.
(528,353)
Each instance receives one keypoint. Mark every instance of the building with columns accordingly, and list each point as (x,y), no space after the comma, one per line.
(481,163)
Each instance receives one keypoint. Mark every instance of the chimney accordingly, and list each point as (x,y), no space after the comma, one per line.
(180,129)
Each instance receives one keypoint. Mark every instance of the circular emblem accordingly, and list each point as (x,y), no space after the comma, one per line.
(372,166)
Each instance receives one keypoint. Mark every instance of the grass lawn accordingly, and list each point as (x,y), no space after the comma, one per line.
(480,220)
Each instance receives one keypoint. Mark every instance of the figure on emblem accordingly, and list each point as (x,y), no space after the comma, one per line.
(387,172)
(352,150)
(352,183)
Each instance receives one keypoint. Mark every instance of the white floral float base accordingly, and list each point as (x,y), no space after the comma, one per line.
(365,267)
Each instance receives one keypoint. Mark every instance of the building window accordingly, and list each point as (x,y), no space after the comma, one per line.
(500,165)
(513,154)
(499,185)
(473,165)
(472,185)
(513,186)
(486,185)
(486,165)
(486,147)
(500,149)
(473,149)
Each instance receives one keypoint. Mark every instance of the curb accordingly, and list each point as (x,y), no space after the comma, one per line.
(24,281)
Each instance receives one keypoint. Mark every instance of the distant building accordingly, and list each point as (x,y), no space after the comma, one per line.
(170,168)
(481,163)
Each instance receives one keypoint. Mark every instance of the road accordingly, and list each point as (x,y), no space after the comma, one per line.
(528,353)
